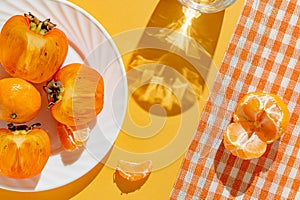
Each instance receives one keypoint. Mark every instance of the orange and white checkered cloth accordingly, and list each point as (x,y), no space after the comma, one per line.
(263,55)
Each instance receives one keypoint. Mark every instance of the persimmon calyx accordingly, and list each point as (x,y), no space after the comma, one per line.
(54,89)
(21,129)
(39,26)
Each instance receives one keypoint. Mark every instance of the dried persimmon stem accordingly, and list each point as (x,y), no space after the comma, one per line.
(39,26)
(13,127)
(54,90)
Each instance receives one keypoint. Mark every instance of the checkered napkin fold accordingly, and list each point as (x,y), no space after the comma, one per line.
(263,55)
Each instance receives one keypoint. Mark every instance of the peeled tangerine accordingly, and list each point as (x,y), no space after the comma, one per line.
(259,119)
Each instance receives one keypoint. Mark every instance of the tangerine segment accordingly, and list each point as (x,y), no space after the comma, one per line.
(133,171)
(243,141)
(267,112)
(20,101)
(72,137)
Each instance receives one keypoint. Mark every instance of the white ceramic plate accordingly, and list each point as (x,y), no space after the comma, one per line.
(90,44)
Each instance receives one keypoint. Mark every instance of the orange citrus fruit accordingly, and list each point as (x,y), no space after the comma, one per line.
(72,137)
(259,119)
(20,101)
(133,171)
(243,141)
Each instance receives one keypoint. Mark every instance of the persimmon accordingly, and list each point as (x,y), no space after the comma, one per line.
(24,151)
(32,49)
(259,119)
(75,94)
(20,101)
(72,137)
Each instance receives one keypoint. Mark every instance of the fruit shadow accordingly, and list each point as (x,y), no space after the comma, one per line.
(69,157)
(247,170)
(30,183)
(126,186)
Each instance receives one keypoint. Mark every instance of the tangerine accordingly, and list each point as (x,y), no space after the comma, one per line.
(72,137)
(20,101)
(259,119)
(133,171)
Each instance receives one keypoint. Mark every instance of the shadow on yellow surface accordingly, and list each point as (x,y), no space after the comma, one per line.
(126,186)
(167,75)
(205,29)
(173,59)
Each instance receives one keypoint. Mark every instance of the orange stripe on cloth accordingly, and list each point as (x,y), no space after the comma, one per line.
(263,55)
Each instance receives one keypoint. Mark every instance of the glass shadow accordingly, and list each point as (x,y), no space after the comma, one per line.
(173,59)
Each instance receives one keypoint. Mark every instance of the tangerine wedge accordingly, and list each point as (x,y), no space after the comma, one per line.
(243,141)
(133,171)
(72,137)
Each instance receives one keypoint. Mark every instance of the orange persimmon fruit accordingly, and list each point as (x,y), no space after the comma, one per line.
(259,119)
(20,101)
(75,94)
(32,49)
(24,151)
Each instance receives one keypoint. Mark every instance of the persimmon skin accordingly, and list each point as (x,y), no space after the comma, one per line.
(30,55)
(82,98)
(23,155)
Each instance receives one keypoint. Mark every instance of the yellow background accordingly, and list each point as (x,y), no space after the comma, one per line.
(118,16)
